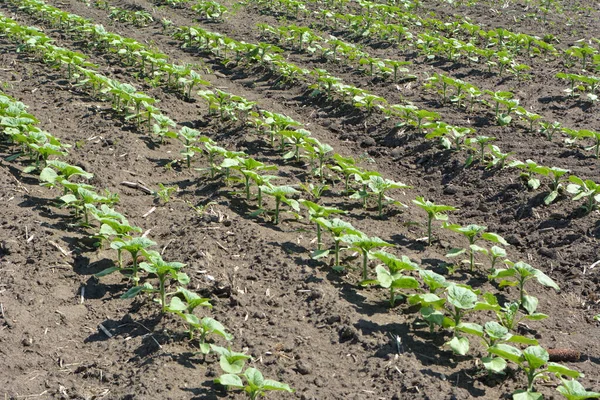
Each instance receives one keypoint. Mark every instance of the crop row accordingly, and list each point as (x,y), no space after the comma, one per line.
(505,105)
(222,102)
(447,306)
(85,201)
(228,105)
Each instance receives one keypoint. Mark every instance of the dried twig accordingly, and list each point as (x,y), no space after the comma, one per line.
(65,253)
(164,248)
(138,186)
(106,331)
(149,212)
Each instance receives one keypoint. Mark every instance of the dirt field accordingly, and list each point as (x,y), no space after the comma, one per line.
(303,323)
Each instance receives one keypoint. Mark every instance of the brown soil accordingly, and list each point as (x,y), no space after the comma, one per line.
(303,323)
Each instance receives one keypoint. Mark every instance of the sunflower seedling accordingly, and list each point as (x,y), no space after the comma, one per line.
(391,277)
(338,229)
(434,211)
(364,244)
(231,362)
(315,212)
(134,246)
(509,314)
(163,270)
(573,390)
(531,361)
(473,233)
(522,272)
(281,193)
(256,385)
(379,186)
(164,192)
(587,189)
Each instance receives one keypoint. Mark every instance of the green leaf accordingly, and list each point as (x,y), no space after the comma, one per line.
(507,352)
(230,380)
(455,252)
(176,305)
(404,282)
(233,365)
(48,175)
(134,291)
(432,316)
(573,390)
(211,325)
(459,345)
(319,254)
(536,317)
(545,280)
(461,297)
(269,384)
(470,328)
(107,271)
(494,364)
(530,303)
(536,356)
(205,348)
(383,276)
(255,377)
(522,340)
(525,395)
(550,197)
(494,237)
(562,370)
(494,330)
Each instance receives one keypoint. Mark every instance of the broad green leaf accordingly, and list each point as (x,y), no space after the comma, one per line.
(404,282)
(230,380)
(507,352)
(269,384)
(459,345)
(106,271)
(233,365)
(494,330)
(525,395)
(545,280)
(536,356)
(471,328)
(176,305)
(255,377)
(530,303)
(494,364)
(383,276)
(536,317)
(319,254)
(573,390)
(455,252)
(461,297)
(134,291)
(494,237)
(432,316)
(522,340)
(562,370)
(211,325)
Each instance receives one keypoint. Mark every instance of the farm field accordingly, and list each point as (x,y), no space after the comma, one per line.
(360,200)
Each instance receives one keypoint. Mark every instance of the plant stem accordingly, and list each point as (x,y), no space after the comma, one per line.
(318,237)
(277,202)
(162,293)
(429,219)
(134,268)
(365,257)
